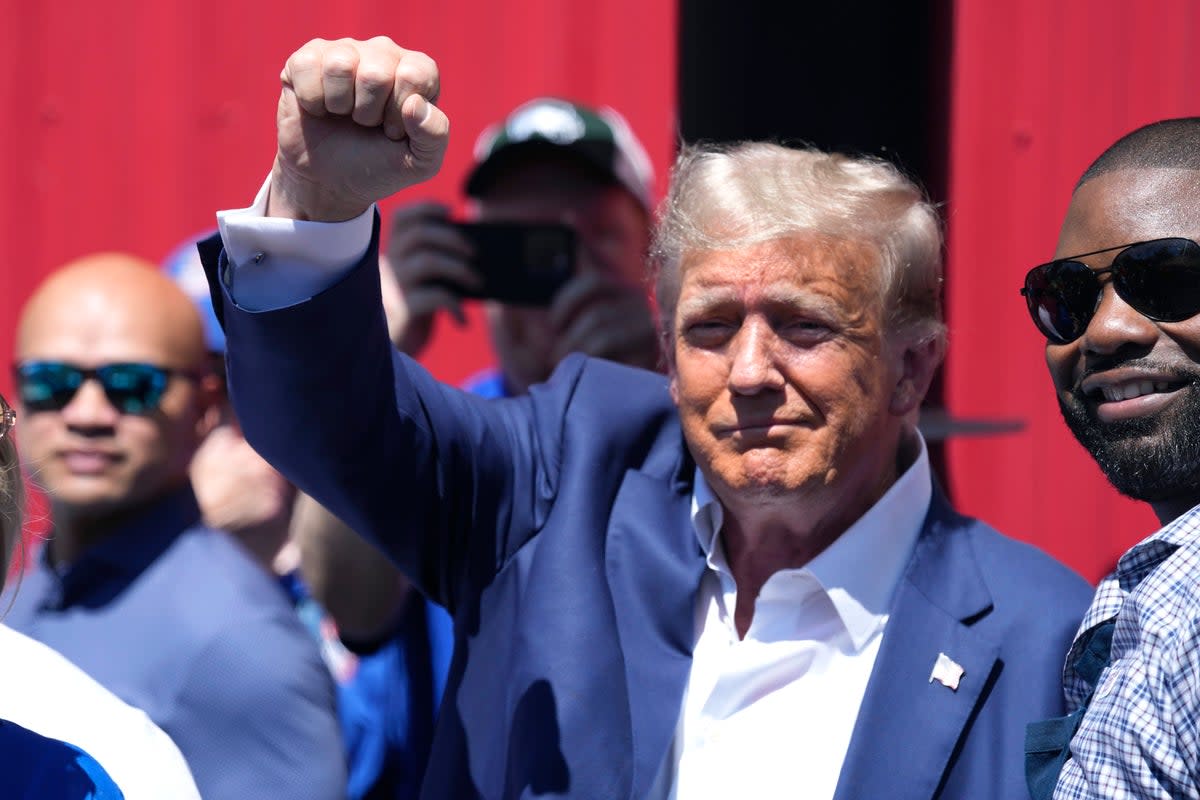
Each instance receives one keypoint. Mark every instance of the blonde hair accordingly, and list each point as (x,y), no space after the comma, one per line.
(12,503)
(725,197)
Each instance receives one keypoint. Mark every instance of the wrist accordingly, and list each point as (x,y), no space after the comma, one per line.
(293,197)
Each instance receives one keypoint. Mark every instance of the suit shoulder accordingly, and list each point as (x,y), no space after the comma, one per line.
(595,394)
(624,415)
(1012,566)
(207,583)
(595,382)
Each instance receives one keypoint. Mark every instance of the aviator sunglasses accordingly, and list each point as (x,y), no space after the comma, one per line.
(1159,279)
(131,388)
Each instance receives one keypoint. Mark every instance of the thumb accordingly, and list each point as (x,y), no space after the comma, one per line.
(428,132)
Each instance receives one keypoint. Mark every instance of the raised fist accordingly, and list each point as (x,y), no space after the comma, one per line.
(357,123)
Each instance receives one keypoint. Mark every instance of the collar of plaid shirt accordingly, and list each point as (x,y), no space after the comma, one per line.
(1138,562)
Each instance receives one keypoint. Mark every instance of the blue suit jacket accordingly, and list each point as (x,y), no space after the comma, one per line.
(556,529)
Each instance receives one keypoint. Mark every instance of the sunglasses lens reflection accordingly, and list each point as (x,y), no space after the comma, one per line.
(1062,297)
(1160,279)
(47,386)
(130,388)
(134,388)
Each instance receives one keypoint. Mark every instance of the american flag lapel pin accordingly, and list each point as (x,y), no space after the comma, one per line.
(947,672)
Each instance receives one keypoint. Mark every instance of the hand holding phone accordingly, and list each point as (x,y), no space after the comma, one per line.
(599,315)
(426,262)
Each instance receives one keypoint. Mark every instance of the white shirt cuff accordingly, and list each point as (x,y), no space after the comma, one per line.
(275,262)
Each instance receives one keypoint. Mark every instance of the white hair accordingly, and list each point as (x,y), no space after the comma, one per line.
(725,197)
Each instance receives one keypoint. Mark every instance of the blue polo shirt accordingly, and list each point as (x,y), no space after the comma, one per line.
(33,767)
(176,619)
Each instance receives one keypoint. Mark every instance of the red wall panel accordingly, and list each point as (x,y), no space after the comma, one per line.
(128,124)
(1038,91)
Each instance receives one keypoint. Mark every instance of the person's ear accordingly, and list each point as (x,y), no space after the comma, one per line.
(211,399)
(667,359)
(918,363)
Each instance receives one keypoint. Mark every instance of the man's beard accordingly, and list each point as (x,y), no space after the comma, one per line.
(1152,458)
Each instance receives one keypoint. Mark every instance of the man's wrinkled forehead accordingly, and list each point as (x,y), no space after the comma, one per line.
(795,254)
(1131,205)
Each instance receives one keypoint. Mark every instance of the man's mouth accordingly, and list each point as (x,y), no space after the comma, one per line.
(1119,397)
(1132,389)
(88,462)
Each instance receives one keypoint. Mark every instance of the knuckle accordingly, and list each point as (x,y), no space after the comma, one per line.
(340,62)
(303,60)
(383,42)
(420,59)
(426,262)
(313,46)
(374,79)
(417,70)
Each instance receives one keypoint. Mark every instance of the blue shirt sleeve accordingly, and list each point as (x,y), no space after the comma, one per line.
(34,767)
(102,787)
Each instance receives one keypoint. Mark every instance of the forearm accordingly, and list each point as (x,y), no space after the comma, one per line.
(361,589)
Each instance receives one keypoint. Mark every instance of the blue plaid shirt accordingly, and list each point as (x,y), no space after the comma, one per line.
(1140,737)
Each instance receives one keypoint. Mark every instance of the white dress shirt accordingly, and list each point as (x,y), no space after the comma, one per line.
(771,715)
(281,262)
(767,716)
(44,692)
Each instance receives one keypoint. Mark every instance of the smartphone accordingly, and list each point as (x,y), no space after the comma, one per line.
(521,264)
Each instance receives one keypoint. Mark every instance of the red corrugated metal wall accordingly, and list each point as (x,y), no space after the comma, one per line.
(1039,90)
(128,124)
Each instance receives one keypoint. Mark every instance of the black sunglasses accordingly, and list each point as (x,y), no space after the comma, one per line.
(131,388)
(1159,279)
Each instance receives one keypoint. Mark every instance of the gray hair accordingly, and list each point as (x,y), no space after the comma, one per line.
(725,197)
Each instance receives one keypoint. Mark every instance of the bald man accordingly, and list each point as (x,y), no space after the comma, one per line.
(173,617)
(1119,305)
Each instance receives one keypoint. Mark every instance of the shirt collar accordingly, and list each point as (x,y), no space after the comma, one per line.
(1132,568)
(1141,559)
(1138,562)
(114,562)
(861,569)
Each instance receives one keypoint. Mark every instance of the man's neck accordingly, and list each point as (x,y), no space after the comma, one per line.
(1172,509)
(76,531)
(757,551)
(761,539)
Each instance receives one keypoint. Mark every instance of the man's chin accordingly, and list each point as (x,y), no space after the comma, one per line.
(86,499)
(1153,458)
(763,487)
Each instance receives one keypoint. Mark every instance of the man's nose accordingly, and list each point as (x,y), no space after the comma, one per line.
(90,407)
(1115,325)
(753,366)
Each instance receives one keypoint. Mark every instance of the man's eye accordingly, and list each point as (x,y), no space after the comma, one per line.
(708,331)
(805,329)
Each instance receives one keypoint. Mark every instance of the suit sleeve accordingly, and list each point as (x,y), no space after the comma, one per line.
(447,484)
(255,717)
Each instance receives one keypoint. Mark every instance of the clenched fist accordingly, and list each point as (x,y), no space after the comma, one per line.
(357,123)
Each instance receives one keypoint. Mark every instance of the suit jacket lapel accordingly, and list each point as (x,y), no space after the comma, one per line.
(908,726)
(654,565)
